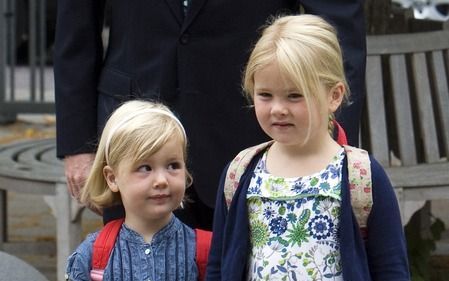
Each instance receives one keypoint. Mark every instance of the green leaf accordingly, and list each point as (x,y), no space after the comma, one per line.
(282,210)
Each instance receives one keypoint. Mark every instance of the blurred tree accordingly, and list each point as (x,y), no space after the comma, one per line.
(386,17)
(377,13)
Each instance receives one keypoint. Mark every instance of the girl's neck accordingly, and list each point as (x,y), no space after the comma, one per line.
(301,160)
(147,228)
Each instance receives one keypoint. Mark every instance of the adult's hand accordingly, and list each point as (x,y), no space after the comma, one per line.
(77,169)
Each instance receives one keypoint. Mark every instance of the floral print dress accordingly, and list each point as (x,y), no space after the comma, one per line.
(293,224)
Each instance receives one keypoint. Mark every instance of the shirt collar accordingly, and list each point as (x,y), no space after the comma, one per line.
(162,235)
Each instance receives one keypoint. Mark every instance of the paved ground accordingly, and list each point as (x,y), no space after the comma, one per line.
(29,217)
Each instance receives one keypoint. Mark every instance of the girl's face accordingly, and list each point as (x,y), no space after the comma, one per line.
(153,188)
(281,109)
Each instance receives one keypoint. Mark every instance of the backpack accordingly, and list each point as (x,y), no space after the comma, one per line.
(105,241)
(359,174)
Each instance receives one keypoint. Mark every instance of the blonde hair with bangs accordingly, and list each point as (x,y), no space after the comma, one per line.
(307,52)
(150,127)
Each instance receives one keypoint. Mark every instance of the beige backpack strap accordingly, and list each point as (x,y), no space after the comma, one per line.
(237,167)
(360,184)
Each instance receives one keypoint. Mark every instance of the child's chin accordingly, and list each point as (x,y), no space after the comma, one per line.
(160,215)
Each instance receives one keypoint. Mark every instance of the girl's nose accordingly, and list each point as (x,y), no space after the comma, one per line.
(160,179)
(279,108)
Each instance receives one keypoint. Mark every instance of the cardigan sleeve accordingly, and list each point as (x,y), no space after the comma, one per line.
(213,271)
(386,244)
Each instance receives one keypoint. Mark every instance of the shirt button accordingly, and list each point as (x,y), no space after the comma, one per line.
(185,38)
(147,251)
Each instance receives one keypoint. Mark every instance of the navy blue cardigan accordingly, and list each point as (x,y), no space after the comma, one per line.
(382,257)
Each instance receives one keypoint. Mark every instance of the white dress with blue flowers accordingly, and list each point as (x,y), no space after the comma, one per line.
(293,224)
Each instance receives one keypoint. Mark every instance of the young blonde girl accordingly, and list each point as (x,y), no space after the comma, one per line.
(291,217)
(140,163)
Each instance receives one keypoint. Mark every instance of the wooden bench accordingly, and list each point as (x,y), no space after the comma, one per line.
(406,122)
(31,167)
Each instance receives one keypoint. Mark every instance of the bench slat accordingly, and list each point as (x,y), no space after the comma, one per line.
(376,110)
(49,157)
(407,43)
(32,156)
(425,111)
(402,109)
(9,150)
(428,175)
(441,96)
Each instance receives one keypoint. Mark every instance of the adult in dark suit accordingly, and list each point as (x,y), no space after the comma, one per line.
(191,59)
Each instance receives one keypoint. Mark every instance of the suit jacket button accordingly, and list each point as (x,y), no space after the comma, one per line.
(184,38)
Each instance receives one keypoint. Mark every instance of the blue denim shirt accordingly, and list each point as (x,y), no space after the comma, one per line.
(169,256)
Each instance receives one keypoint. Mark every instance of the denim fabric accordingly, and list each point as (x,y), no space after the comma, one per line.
(169,256)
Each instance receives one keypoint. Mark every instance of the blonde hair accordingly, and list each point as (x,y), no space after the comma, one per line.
(135,131)
(307,52)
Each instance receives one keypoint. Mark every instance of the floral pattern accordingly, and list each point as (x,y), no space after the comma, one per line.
(294,223)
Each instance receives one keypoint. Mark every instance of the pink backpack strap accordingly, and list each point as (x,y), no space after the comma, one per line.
(237,167)
(359,176)
(360,185)
(102,248)
(203,241)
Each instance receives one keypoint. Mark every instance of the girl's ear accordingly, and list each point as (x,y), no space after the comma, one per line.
(109,176)
(335,96)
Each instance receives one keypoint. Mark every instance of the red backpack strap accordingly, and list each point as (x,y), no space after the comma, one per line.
(341,135)
(102,248)
(203,240)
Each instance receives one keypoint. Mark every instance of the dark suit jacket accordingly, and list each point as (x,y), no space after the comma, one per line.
(192,63)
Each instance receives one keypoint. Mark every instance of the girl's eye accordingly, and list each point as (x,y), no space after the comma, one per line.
(175,166)
(144,168)
(295,96)
(263,95)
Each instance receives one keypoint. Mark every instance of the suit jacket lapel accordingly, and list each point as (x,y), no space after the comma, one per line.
(176,9)
(194,9)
